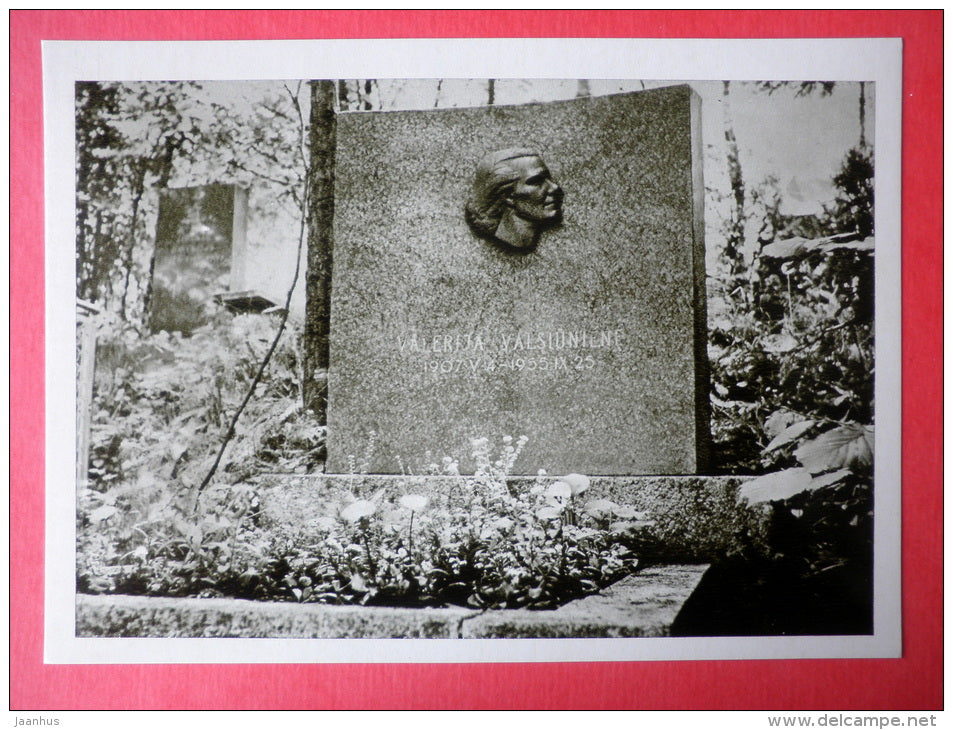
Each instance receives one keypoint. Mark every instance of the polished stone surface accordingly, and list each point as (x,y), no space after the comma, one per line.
(592,344)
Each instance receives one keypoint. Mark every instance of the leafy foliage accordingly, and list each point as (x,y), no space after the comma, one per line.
(791,333)
(496,549)
(160,409)
(162,403)
(117,164)
(791,347)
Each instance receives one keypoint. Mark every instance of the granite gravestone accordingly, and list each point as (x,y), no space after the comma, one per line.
(590,341)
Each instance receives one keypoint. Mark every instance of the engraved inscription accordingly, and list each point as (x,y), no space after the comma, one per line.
(553,351)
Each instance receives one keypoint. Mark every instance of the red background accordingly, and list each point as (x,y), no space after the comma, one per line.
(911,683)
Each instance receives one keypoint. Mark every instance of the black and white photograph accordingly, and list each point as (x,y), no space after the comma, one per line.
(481,359)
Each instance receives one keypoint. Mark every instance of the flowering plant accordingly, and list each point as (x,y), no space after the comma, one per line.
(496,548)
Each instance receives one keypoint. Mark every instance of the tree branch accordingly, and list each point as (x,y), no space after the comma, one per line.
(230,432)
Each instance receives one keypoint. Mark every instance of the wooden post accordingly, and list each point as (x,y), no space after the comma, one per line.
(86,343)
(320,247)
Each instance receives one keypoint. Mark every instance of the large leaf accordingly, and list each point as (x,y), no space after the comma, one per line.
(778,421)
(865,245)
(787,248)
(779,344)
(600,508)
(549,513)
(845,447)
(102,513)
(558,493)
(797,246)
(775,486)
(788,435)
(414,502)
(358,509)
(782,485)
(578,483)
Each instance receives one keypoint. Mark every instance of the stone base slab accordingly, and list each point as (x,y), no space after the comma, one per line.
(642,605)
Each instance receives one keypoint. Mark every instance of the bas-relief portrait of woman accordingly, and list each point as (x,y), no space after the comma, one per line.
(514,198)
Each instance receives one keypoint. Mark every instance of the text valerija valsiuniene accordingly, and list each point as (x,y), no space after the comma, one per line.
(523,342)
(552,351)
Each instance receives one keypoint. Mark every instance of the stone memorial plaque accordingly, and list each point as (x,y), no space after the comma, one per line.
(589,339)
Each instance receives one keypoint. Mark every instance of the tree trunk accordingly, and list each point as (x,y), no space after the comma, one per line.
(736,227)
(342,96)
(164,174)
(863,114)
(128,256)
(320,246)
(369,85)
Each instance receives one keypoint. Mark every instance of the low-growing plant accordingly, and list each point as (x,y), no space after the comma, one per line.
(536,548)
(497,548)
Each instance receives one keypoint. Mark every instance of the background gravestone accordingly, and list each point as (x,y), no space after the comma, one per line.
(199,253)
(593,345)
